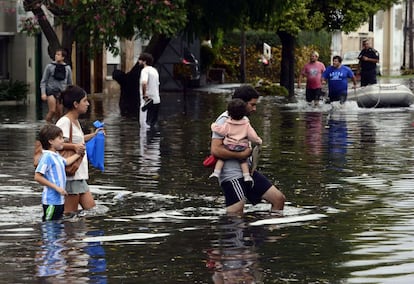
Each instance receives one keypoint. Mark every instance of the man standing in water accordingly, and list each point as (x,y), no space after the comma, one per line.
(337,76)
(368,59)
(313,72)
(236,190)
(149,83)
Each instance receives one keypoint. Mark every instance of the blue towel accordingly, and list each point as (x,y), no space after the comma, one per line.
(96,148)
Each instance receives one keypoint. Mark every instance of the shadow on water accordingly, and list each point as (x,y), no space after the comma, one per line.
(160,219)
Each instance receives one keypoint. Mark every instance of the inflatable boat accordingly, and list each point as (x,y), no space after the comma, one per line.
(382,95)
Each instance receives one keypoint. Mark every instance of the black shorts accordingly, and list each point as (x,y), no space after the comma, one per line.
(341,98)
(238,190)
(56,94)
(313,94)
(52,212)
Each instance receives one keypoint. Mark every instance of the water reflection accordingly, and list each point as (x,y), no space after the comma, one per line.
(313,136)
(354,166)
(233,257)
(337,142)
(62,260)
(150,159)
(50,260)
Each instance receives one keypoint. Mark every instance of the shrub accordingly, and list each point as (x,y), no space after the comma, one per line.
(207,57)
(228,54)
(16,90)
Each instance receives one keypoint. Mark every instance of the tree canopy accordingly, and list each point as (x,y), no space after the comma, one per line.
(100,23)
(348,15)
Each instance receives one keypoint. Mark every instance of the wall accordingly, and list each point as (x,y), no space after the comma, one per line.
(23,62)
(387,38)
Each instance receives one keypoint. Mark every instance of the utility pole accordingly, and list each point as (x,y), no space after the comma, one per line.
(404,63)
(410,35)
(243,56)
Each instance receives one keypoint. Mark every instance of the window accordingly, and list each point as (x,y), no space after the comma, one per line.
(110,69)
(112,62)
(371,24)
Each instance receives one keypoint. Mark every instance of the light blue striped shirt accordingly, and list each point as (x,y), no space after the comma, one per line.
(52,167)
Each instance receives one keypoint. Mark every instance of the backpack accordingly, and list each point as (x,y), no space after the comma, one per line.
(60,72)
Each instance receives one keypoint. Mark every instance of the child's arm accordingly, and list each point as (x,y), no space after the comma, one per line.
(218,150)
(78,148)
(43,181)
(72,159)
(252,135)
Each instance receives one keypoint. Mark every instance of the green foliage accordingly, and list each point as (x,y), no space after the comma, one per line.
(207,17)
(255,70)
(29,26)
(253,37)
(16,90)
(228,53)
(102,22)
(266,87)
(296,17)
(207,57)
(319,41)
(348,15)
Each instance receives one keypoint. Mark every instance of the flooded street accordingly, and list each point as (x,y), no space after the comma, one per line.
(348,175)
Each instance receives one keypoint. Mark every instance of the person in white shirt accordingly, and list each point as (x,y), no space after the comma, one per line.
(149,83)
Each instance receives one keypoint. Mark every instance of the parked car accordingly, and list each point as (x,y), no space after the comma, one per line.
(350,59)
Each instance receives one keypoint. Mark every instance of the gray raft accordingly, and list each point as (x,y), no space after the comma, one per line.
(382,95)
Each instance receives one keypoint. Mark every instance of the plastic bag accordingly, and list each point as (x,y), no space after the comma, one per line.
(96,148)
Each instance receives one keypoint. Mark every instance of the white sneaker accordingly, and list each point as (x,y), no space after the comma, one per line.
(214,175)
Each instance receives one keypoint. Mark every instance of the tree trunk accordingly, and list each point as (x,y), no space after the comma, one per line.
(287,65)
(47,29)
(67,41)
(243,57)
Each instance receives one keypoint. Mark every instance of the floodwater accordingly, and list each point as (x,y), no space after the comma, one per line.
(348,176)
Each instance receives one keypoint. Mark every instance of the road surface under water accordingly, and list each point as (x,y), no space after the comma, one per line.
(347,174)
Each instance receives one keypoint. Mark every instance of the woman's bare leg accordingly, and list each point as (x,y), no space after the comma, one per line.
(87,201)
(71,203)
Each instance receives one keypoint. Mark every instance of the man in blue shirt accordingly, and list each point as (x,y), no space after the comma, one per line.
(337,77)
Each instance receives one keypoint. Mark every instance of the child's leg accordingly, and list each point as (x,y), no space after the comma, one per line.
(51,105)
(217,169)
(246,172)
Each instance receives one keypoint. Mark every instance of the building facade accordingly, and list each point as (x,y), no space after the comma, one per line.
(17,51)
(386,33)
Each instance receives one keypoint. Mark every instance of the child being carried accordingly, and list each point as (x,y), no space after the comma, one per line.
(238,133)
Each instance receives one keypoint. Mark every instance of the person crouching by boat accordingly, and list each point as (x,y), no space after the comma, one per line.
(337,77)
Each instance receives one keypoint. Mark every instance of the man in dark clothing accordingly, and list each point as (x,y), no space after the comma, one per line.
(368,59)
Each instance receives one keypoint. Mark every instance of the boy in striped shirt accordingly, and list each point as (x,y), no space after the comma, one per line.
(50,172)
